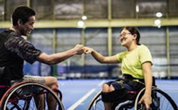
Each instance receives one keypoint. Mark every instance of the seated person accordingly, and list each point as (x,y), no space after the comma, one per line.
(15,50)
(136,67)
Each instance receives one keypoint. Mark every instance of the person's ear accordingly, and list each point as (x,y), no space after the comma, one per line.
(20,22)
(135,36)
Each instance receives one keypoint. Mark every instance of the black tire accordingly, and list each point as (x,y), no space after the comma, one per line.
(22,97)
(160,100)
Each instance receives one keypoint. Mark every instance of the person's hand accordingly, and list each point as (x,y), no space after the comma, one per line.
(79,49)
(87,50)
(147,100)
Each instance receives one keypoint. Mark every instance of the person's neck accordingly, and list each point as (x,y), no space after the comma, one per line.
(15,29)
(132,47)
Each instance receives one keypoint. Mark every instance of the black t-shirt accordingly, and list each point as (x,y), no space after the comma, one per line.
(14,49)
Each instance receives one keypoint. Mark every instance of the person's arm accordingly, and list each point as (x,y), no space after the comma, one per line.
(148,84)
(100,58)
(59,57)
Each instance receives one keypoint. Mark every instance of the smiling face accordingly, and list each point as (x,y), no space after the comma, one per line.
(126,38)
(26,28)
(23,19)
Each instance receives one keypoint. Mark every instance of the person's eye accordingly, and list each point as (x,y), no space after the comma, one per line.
(123,34)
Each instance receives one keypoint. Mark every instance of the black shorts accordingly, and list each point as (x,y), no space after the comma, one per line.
(119,84)
(128,82)
(122,90)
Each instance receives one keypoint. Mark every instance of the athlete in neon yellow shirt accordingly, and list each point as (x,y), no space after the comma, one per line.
(136,62)
(132,61)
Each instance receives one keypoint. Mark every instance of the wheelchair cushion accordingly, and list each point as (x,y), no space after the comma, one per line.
(118,96)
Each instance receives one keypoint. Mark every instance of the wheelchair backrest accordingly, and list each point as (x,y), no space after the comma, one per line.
(1,71)
(3,89)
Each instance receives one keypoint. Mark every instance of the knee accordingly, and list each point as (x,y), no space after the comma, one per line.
(55,83)
(105,88)
(52,82)
(111,88)
(55,80)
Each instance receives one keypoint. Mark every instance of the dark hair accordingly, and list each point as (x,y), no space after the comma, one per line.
(134,30)
(23,13)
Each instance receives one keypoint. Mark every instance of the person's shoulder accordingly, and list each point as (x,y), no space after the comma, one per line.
(122,53)
(6,31)
(9,33)
(14,38)
(13,33)
(142,46)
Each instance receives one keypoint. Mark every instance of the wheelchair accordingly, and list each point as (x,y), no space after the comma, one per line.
(30,96)
(160,101)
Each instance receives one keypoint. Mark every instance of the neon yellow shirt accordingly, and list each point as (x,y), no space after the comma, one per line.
(132,61)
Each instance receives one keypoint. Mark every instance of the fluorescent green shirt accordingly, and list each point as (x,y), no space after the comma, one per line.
(132,61)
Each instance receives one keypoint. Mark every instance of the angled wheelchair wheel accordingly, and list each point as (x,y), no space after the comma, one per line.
(30,96)
(96,103)
(160,101)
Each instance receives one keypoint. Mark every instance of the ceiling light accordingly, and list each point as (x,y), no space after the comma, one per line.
(84,17)
(80,24)
(137,8)
(159,14)
(157,22)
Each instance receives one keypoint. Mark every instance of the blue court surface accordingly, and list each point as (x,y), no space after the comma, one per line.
(78,93)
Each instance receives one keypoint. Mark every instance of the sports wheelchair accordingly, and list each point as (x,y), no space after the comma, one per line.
(160,101)
(29,96)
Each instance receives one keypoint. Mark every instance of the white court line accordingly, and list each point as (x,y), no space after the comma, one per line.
(81,100)
(100,84)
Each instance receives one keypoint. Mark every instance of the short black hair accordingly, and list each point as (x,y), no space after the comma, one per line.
(133,30)
(23,13)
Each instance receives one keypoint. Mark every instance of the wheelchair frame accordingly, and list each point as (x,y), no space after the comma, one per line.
(24,93)
(156,98)
(157,94)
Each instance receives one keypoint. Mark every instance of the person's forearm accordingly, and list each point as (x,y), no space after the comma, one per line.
(148,83)
(98,56)
(57,57)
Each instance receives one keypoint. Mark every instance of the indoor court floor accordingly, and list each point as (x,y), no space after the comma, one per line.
(77,93)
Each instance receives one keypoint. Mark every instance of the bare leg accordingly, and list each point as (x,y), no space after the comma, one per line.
(51,102)
(106,89)
(53,84)
(40,102)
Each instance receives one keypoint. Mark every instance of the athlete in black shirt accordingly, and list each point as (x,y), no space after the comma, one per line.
(14,50)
